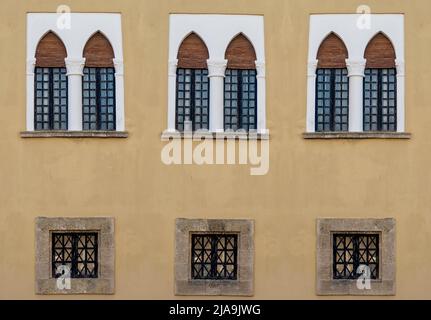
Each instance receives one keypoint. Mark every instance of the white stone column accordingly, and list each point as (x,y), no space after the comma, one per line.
(119,95)
(356,75)
(261,97)
(400,95)
(311,95)
(31,63)
(216,74)
(172,94)
(75,67)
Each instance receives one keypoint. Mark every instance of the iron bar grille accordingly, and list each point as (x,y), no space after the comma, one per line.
(380,100)
(77,251)
(353,250)
(240,95)
(332,100)
(192,98)
(214,256)
(98,99)
(50,99)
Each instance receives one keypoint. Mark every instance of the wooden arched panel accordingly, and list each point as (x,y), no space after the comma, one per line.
(50,52)
(380,52)
(240,54)
(332,53)
(193,53)
(98,52)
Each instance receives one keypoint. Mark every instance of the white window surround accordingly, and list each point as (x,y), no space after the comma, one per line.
(356,40)
(216,31)
(83,27)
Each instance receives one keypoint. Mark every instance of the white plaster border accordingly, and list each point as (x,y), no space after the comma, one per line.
(356,40)
(217,31)
(83,26)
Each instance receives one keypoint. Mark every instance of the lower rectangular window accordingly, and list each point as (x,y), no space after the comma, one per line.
(353,250)
(76,253)
(214,256)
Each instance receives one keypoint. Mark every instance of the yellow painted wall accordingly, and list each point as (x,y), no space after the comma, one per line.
(125,178)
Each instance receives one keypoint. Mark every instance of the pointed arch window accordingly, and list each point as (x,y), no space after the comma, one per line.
(332,86)
(240,86)
(192,88)
(50,84)
(98,85)
(380,85)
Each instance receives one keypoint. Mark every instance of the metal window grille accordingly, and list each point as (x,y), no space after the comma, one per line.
(380,100)
(214,256)
(192,98)
(353,250)
(98,99)
(240,97)
(77,251)
(50,99)
(332,100)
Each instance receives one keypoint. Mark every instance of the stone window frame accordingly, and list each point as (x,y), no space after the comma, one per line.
(385,285)
(243,286)
(104,283)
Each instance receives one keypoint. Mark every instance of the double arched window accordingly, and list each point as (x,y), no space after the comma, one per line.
(380,85)
(332,86)
(50,85)
(240,86)
(98,85)
(192,102)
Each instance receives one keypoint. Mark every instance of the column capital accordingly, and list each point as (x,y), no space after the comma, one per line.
(260,69)
(75,66)
(400,67)
(311,68)
(172,67)
(356,67)
(31,63)
(119,67)
(216,68)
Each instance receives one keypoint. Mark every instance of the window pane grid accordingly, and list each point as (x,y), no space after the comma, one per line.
(352,250)
(51,101)
(240,97)
(192,101)
(214,257)
(380,104)
(77,251)
(332,100)
(98,99)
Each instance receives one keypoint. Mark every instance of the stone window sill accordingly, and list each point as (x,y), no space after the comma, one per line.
(74,134)
(356,135)
(167,135)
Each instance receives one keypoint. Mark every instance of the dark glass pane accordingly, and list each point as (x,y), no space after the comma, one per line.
(51,99)
(98,99)
(77,251)
(240,99)
(192,103)
(214,256)
(352,250)
(332,100)
(380,104)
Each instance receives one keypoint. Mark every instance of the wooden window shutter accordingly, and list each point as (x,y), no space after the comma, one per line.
(193,53)
(332,53)
(98,52)
(50,52)
(240,54)
(380,53)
